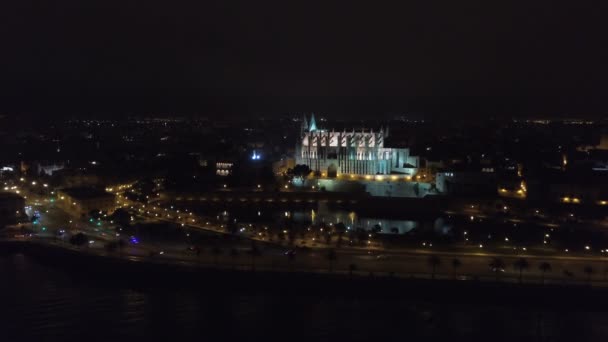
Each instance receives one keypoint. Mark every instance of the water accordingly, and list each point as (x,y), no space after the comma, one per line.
(43,303)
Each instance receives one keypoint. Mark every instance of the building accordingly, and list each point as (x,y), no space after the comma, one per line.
(12,208)
(570,187)
(82,200)
(332,153)
(466,181)
(223,168)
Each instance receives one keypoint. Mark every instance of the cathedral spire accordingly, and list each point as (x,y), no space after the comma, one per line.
(313,123)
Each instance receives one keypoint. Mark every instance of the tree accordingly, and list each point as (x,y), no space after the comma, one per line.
(111,246)
(331,258)
(121,217)
(291,258)
(300,170)
(351,268)
(79,239)
(254,252)
(121,245)
(497,266)
(291,237)
(434,262)
(521,264)
(588,271)
(376,228)
(568,274)
(544,267)
(198,252)
(456,263)
(216,252)
(231,227)
(234,253)
(340,228)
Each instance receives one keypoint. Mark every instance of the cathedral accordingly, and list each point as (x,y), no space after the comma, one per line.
(334,153)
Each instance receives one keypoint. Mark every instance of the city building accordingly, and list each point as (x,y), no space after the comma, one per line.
(12,208)
(82,200)
(570,187)
(223,168)
(466,180)
(332,153)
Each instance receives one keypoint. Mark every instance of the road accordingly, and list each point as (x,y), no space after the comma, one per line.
(401,262)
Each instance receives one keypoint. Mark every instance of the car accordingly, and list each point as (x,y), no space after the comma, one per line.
(497,269)
(290,252)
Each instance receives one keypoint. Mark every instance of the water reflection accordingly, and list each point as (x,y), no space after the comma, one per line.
(43,303)
(320,216)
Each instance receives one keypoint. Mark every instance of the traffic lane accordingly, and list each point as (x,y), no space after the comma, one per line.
(402,266)
(418,264)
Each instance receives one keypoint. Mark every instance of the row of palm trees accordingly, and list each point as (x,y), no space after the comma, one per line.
(254,252)
(497,265)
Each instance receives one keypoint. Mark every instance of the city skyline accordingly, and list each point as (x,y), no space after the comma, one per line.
(303,170)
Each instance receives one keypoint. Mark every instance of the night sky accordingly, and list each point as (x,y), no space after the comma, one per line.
(245,56)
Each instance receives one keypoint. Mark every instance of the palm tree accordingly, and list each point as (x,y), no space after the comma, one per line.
(434,261)
(497,266)
(456,263)
(216,251)
(544,267)
(234,253)
(121,244)
(351,268)
(291,257)
(331,257)
(588,271)
(198,255)
(340,229)
(255,252)
(521,264)
(568,274)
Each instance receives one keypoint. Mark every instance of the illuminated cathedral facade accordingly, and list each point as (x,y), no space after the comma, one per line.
(332,153)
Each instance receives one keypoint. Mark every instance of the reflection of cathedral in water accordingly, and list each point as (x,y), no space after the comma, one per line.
(357,153)
(353,221)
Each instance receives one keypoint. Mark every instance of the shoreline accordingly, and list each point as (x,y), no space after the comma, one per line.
(114,271)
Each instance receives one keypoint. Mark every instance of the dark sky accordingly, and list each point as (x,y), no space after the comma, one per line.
(77,55)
